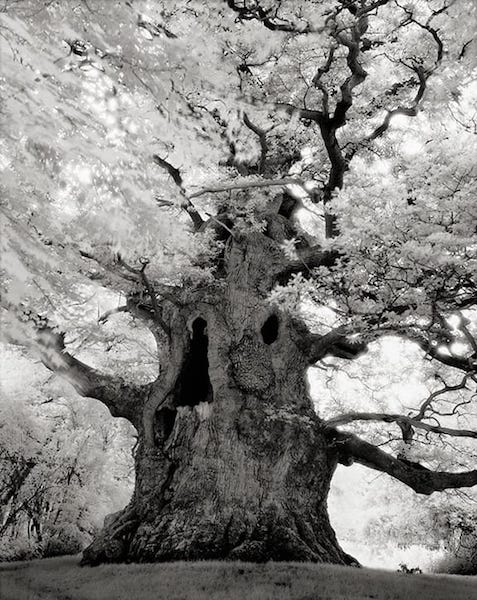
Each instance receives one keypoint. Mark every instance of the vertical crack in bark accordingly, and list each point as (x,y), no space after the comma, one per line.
(166,492)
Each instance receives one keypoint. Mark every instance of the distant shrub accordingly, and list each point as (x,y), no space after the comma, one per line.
(18,549)
(61,543)
(403,568)
(58,542)
(457,565)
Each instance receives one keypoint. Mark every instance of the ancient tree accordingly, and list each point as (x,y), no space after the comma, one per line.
(223,166)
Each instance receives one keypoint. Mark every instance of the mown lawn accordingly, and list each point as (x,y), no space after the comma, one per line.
(63,579)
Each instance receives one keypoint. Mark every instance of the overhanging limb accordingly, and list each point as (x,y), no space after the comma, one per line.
(418,478)
(122,399)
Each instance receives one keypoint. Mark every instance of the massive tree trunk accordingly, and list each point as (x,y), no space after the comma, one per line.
(232,462)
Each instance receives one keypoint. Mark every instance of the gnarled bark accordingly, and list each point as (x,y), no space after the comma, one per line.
(232,462)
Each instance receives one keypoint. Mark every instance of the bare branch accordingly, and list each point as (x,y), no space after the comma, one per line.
(317,83)
(329,125)
(168,292)
(152,295)
(427,404)
(357,72)
(427,27)
(408,111)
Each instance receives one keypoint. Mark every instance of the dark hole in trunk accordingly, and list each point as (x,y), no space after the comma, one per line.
(193,384)
(269,330)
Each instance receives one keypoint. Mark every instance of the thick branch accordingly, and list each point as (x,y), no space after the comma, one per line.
(336,342)
(308,259)
(351,417)
(317,116)
(244,185)
(338,168)
(318,84)
(269,18)
(357,72)
(122,400)
(262,138)
(420,479)
(329,126)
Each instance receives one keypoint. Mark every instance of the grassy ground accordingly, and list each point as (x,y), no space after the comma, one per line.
(63,579)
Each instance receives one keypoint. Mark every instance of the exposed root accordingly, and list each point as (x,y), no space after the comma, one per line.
(111,545)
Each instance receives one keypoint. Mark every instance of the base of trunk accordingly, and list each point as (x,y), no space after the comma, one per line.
(237,536)
(234,484)
(234,464)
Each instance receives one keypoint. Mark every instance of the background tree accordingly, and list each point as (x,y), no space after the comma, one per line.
(61,469)
(230,170)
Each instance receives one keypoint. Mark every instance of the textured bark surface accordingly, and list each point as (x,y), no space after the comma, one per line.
(232,462)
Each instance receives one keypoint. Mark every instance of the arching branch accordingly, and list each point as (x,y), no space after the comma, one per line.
(418,478)
(122,399)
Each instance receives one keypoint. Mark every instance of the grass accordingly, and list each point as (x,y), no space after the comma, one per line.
(62,579)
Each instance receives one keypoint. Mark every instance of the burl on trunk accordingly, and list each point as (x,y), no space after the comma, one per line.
(232,462)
